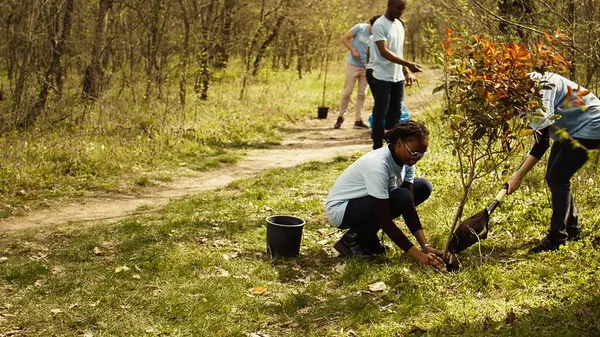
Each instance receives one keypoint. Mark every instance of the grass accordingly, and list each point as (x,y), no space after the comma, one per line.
(197,268)
(108,146)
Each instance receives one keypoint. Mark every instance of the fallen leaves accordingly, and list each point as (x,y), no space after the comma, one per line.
(229,256)
(55,311)
(378,287)
(98,252)
(257,334)
(121,269)
(339,268)
(57,270)
(39,256)
(221,243)
(222,272)
(3,259)
(258,291)
(387,308)
(290,324)
(304,310)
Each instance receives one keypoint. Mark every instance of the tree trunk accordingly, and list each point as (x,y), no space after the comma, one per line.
(203,77)
(265,45)
(571,17)
(184,56)
(54,73)
(223,44)
(92,80)
(461,206)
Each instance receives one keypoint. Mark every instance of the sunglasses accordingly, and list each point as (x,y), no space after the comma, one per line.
(415,155)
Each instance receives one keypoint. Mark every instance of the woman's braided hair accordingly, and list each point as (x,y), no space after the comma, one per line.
(406,130)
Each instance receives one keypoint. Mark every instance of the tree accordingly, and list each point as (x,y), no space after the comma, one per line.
(489,99)
(94,72)
(53,77)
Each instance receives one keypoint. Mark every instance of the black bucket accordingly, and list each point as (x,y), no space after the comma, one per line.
(284,234)
(322,112)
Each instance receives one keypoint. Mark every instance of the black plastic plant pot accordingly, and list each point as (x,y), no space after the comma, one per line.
(322,112)
(284,234)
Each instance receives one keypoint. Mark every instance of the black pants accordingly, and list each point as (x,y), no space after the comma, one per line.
(370,81)
(360,212)
(564,161)
(388,107)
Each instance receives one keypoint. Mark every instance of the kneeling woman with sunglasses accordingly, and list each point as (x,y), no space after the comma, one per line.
(367,197)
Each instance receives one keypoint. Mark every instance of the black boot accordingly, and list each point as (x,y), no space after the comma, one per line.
(574,233)
(573,229)
(374,245)
(350,246)
(545,245)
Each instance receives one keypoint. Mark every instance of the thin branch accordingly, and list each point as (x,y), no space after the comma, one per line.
(555,12)
(516,24)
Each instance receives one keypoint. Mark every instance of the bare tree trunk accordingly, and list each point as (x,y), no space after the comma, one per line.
(93,74)
(55,67)
(222,48)
(571,18)
(265,45)
(204,76)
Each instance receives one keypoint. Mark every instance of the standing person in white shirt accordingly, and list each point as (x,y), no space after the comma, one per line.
(390,70)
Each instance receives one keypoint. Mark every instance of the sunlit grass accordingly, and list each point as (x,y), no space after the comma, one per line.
(190,268)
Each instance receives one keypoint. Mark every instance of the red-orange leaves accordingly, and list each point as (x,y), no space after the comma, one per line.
(487,86)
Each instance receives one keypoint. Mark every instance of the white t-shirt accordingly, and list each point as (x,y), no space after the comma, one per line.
(393,33)
(372,52)
(374,174)
(579,121)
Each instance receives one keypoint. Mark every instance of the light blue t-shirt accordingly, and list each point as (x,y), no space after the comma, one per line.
(374,174)
(359,41)
(393,33)
(579,121)
(372,52)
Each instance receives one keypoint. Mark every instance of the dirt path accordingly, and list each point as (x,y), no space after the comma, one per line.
(313,140)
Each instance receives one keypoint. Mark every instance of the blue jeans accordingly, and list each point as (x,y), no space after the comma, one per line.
(388,108)
(360,212)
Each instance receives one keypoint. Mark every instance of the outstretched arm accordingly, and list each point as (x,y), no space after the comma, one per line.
(384,219)
(388,55)
(413,221)
(540,146)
